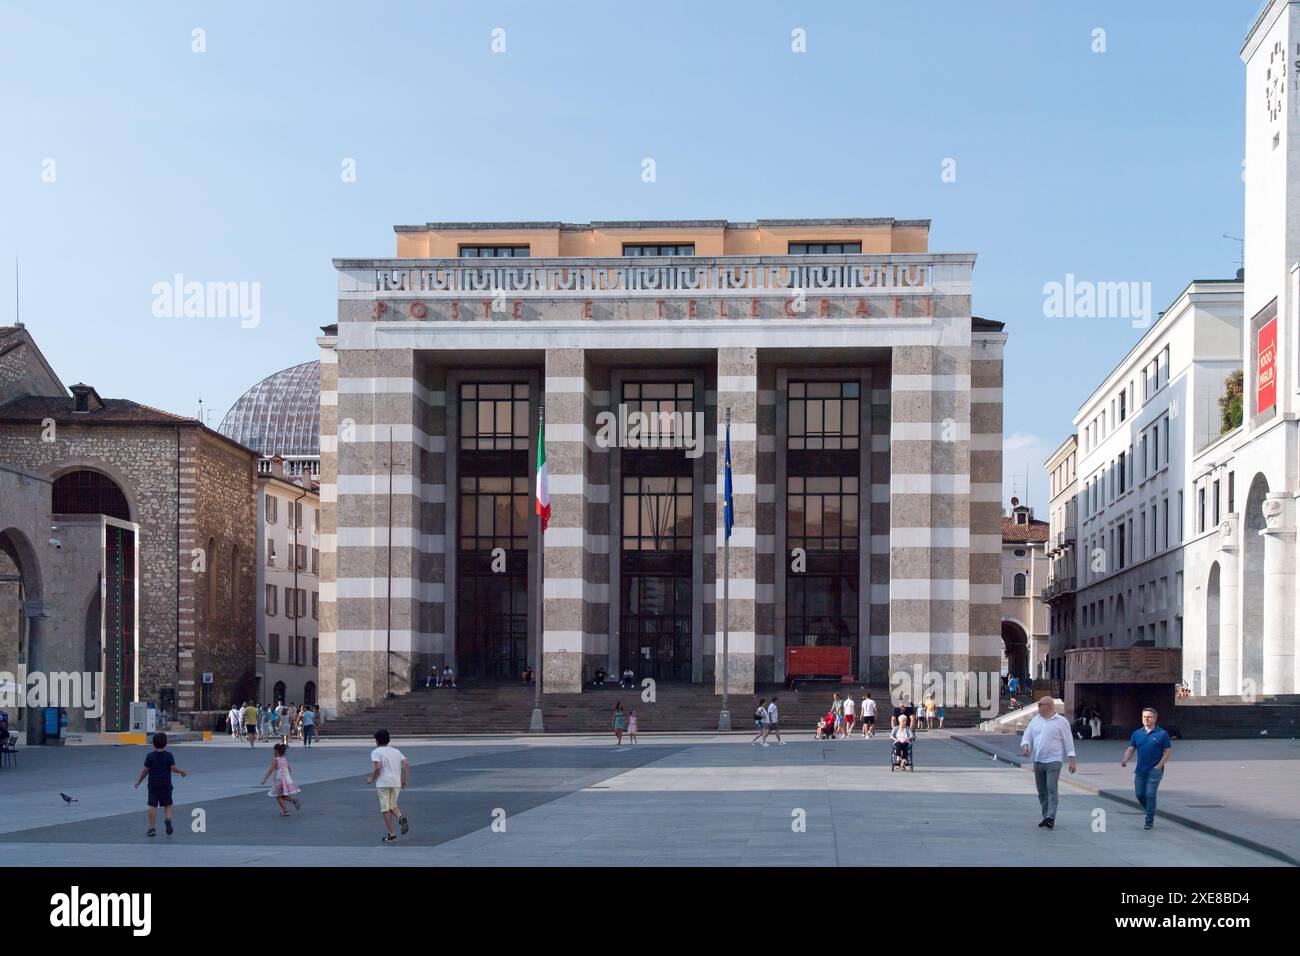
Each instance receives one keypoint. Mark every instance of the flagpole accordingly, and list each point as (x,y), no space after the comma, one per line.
(724,718)
(535,725)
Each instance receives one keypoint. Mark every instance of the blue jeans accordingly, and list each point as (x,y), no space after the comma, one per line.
(307,730)
(1145,785)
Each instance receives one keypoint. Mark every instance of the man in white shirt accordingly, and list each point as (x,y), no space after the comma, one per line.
(390,773)
(773,722)
(1048,742)
(868,716)
(848,716)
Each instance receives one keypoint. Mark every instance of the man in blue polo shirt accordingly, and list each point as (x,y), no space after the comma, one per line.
(1153,748)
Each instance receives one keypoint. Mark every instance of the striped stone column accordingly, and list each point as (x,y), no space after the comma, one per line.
(738,391)
(563,561)
(986,504)
(876,487)
(929,511)
(377,586)
(327,671)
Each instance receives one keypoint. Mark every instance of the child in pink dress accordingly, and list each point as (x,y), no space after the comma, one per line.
(631,727)
(283,788)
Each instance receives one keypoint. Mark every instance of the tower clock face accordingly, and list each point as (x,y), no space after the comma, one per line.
(1275,81)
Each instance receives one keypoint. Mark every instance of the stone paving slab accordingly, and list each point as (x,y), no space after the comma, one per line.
(667,801)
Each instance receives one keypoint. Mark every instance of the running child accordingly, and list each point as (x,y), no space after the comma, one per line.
(283,788)
(390,773)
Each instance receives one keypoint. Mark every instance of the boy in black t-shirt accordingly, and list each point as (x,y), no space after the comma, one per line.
(159,767)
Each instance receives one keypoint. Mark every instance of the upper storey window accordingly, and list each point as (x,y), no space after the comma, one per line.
(494,252)
(824,248)
(659,249)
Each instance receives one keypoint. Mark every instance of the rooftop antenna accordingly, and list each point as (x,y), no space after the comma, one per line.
(18,316)
(1241,261)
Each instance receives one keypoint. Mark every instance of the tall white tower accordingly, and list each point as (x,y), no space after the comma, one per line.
(1272,177)
(1268,456)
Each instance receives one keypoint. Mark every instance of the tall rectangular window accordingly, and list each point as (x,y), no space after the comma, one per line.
(494,416)
(494,513)
(668,409)
(1232,492)
(823,415)
(657,513)
(1200,509)
(822,512)
(1216,503)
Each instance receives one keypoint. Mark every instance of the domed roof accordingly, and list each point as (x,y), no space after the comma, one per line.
(280,415)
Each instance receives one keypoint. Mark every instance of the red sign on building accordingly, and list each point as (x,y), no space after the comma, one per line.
(1266,367)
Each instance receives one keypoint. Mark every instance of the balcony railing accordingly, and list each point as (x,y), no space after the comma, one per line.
(1059,587)
(911,273)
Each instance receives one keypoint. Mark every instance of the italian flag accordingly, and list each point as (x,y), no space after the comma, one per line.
(543,486)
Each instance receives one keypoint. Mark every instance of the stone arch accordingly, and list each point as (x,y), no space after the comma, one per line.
(109,471)
(1252,590)
(1213,609)
(1015,646)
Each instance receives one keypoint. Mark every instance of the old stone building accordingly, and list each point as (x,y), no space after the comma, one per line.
(171,619)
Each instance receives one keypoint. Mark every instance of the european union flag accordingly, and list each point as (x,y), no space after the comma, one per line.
(728,506)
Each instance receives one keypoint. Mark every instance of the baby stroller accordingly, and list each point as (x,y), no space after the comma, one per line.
(907,762)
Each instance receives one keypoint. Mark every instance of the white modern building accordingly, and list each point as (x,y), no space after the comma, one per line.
(1137,435)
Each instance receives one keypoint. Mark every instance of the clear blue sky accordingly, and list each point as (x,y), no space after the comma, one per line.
(225,165)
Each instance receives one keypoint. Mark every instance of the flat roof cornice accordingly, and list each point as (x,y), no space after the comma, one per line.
(659,224)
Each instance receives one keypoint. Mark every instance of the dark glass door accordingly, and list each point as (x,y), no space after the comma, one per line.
(655,626)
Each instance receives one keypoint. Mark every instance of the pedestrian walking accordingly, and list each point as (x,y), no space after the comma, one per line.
(774,722)
(619,720)
(931,716)
(390,772)
(232,720)
(1153,747)
(249,720)
(282,787)
(849,715)
(308,725)
(868,716)
(1048,743)
(631,727)
(837,714)
(760,723)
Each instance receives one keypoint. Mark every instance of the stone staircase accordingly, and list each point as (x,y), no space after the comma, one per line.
(678,708)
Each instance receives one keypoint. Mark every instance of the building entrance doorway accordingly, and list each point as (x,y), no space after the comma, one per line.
(655,626)
(492,619)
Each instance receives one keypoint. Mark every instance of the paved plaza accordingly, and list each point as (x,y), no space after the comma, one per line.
(684,800)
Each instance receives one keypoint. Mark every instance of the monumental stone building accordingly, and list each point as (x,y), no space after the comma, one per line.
(865,409)
(131,534)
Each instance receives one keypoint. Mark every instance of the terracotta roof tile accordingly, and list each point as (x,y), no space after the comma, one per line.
(1033,533)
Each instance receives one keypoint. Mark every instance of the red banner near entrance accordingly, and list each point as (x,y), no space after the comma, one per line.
(816,661)
(1266,368)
